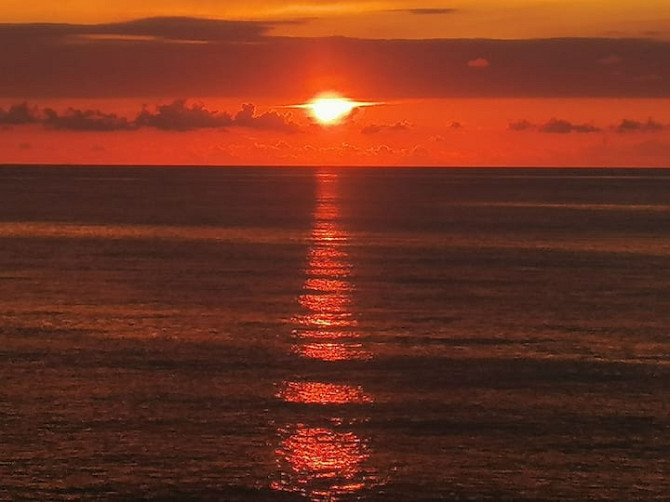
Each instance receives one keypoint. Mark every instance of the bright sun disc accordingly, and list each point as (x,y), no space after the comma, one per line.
(331,109)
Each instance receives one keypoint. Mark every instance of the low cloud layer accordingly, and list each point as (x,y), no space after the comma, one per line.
(628,125)
(86,120)
(271,121)
(18,114)
(176,116)
(561,126)
(377,128)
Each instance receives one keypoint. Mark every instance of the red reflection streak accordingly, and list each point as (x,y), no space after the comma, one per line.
(322,393)
(328,263)
(331,302)
(321,334)
(321,463)
(332,351)
(327,292)
(320,284)
(326,321)
(327,232)
(325,464)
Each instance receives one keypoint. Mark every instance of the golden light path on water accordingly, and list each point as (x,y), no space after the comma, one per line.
(325,461)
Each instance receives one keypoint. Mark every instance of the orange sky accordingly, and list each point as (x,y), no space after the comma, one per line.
(460,83)
(380,18)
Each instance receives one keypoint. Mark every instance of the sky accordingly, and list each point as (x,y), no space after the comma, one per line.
(443,83)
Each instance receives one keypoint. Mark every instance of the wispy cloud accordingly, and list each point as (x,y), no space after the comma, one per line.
(428,12)
(156,28)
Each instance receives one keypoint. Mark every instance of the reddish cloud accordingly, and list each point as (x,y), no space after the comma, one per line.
(611,60)
(86,120)
(269,120)
(19,114)
(553,126)
(428,12)
(242,59)
(377,128)
(558,126)
(628,125)
(520,125)
(178,116)
(479,63)
(158,28)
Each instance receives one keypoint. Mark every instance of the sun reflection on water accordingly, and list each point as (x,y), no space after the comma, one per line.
(325,461)
(322,393)
(332,351)
(321,463)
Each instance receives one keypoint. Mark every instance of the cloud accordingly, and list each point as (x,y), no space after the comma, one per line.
(553,126)
(178,116)
(559,126)
(479,63)
(428,12)
(377,128)
(85,120)
(269,120)
(520,125)
(184,28)
(157,28)
(611,60)
(19,114)
(628,125)
(38,62)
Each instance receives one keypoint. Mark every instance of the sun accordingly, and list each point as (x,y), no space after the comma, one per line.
(328,110)
(331,108)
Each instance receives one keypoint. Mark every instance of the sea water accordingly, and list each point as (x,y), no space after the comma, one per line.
(334,334)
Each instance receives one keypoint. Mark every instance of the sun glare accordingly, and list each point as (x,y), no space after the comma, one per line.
(331,108)
(328,110)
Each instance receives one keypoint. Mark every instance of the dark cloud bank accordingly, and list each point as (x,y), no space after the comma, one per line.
(187,57)
(561,126)
(182,116)
(177,116)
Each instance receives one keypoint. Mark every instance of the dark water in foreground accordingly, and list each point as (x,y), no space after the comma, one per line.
(289,334)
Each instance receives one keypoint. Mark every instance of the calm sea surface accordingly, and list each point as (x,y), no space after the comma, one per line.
(172,334)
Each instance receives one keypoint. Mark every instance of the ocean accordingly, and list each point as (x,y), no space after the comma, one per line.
(326,334)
